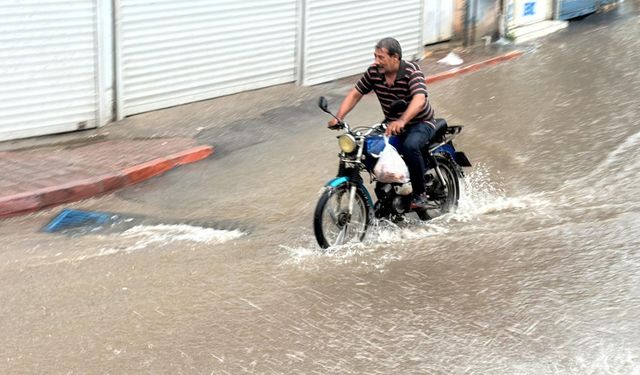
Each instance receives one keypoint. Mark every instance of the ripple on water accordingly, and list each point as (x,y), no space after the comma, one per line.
(162,234)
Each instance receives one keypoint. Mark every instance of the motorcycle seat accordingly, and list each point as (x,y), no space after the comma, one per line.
(440,129)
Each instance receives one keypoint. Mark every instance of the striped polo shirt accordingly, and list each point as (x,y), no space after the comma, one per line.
(409,82)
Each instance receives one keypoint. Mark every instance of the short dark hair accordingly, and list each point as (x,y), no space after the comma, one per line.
(391,45)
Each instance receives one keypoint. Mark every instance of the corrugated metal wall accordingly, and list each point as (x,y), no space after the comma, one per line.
(574,8)
(174,52)
(48,65)
(340,35)
(55,72)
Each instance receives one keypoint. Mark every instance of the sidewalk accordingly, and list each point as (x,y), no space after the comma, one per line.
(51,170)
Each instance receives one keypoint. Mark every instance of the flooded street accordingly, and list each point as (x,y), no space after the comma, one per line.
(538,272)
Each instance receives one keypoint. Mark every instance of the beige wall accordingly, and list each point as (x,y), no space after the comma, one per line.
(487,19)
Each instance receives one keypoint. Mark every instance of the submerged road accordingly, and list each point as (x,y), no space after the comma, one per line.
(538,272)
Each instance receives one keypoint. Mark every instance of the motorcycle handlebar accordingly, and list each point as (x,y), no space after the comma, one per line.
(343,125)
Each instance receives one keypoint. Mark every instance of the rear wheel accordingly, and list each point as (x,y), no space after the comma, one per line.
(444,198)
(332,223)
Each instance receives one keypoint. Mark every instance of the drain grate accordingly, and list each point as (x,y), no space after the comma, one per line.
(72,219)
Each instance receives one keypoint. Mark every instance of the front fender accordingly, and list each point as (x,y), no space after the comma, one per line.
(339,181)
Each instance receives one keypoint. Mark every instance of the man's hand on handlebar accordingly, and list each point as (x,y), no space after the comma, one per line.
(334,124)
(395,127)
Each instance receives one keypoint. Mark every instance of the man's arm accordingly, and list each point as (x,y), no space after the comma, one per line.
(347,105)
(415,106)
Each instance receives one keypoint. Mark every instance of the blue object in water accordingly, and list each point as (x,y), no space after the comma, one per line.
(75,218)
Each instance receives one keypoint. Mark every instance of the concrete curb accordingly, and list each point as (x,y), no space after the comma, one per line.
(473,67)
(82,189)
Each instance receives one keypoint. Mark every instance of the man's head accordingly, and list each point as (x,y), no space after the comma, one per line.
(388,54)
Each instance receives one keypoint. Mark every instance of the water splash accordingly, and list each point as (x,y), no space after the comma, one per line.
(165,234)
(372,254)
(410,230)
(482,195)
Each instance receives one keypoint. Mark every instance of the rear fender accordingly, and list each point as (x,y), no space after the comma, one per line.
(459,157)
(446,149)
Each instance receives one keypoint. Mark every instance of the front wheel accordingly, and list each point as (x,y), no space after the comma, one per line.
(332,223)
(444,198)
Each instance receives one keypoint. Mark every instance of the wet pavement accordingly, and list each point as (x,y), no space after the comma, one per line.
(537,272)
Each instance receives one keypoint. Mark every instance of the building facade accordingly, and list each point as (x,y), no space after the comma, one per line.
(78,64)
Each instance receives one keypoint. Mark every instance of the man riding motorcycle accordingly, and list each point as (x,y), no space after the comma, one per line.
(392,78)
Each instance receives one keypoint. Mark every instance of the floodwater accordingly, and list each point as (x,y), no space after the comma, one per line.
(538,272)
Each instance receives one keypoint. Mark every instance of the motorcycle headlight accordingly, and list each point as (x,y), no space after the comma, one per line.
(347,143)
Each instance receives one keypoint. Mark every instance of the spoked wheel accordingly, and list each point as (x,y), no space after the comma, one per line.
(332,223)
(444,198)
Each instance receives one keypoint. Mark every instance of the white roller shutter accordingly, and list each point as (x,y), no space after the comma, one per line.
(340,35)
(438,20)
(174,52)
(48,68)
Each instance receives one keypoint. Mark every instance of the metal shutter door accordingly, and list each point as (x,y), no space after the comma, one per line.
(48,68)
(438,21)
(174,52)
(575,8)
(340,35)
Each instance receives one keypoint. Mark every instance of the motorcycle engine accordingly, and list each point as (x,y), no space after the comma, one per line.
(395,203)
(404,189)
(398,204)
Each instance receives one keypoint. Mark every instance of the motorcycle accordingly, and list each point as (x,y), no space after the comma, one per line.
(345,210)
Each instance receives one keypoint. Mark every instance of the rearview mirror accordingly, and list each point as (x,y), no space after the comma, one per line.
(322,103)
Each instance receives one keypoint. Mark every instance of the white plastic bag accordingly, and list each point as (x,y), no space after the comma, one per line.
(451,59)
(390,166)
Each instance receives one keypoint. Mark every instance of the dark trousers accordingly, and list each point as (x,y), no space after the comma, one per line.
(414,137)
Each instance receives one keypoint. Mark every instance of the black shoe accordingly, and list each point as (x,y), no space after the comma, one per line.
(420,202)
